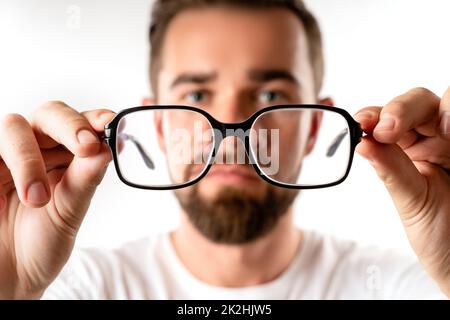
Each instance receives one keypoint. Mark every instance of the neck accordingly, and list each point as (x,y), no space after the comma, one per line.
(241,265)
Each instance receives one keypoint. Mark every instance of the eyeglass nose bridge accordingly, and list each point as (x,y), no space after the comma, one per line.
(237,129)
(240,130)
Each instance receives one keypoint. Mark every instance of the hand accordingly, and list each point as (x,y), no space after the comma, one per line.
(408,144)
(49,170)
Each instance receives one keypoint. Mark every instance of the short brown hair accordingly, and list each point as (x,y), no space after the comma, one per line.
(165,10)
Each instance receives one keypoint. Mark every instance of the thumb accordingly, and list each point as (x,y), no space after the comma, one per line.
(400,176)
(73,193)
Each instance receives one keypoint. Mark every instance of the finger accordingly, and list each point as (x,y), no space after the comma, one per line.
(408,139)
(6,188)
(415,110)
(99,118)
(445,115)
(5,174)
(433,150)
(53,159)
(56,158)
(74,191)
(399,174)
(2,201)
(21,154)
(368,118)
(57,122)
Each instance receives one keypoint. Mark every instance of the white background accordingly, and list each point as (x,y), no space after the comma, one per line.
(375,50)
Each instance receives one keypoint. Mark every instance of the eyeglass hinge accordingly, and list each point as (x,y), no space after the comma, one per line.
(107,133)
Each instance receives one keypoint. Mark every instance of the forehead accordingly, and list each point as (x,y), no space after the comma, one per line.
(229,39)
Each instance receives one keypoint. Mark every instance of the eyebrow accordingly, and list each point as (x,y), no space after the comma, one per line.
(255,75)
(196,78)
(272,74)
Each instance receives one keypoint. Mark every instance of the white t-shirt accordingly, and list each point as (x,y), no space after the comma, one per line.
(324,268)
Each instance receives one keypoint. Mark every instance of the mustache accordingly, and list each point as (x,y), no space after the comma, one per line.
(193,171)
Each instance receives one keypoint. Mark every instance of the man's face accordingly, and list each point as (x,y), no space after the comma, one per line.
(232,62)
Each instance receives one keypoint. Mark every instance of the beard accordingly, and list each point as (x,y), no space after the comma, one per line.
(234,217)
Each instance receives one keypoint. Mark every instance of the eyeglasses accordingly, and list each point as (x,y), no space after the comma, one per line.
(290,146)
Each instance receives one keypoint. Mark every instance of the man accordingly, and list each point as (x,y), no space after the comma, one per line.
(52,165)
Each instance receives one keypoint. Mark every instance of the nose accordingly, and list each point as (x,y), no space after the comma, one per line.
(231,107)
(231,151)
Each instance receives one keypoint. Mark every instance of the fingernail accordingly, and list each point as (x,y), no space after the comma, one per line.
(363,115)
(85,136)
(36,193)
(445,123)
(105,116)
(386,123)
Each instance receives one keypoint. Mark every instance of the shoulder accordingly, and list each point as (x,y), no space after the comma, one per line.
(105,273)
(345,251)
(368,270)
(132,254)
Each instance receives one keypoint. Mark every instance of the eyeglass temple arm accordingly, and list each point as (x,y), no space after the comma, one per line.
(148,161)
(336,143)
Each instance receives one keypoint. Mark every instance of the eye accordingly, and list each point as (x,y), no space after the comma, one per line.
(195,97)
(270,97)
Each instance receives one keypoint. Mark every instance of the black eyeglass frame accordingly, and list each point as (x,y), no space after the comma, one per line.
(222,130)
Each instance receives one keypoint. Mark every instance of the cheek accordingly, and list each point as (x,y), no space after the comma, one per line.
(293,142)
(159,132)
